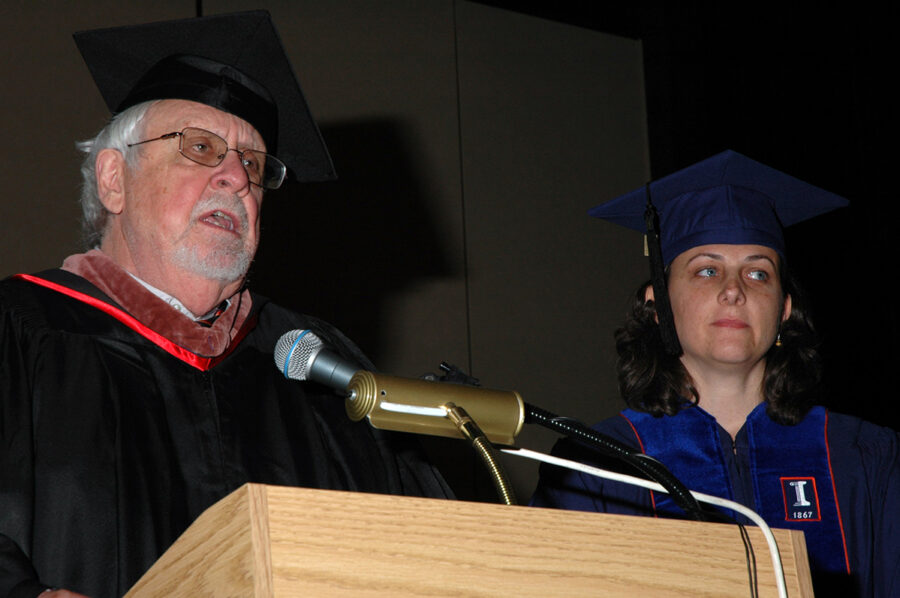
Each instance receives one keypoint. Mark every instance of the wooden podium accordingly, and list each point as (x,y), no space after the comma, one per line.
(265,541)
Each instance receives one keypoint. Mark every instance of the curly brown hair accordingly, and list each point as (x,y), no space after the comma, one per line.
(656,382)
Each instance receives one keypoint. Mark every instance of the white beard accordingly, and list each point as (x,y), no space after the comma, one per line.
(230,259)
(222,264)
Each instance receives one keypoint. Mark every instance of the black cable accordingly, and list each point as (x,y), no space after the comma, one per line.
(751,562)
(651,468)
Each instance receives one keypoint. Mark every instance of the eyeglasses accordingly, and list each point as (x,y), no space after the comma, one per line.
(200,146)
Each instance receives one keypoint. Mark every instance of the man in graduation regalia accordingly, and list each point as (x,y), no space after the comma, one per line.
(137,384)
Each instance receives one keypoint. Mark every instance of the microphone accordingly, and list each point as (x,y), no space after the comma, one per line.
(301,355)
(400,404)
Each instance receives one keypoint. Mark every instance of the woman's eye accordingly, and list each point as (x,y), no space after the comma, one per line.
(760,275)
(707,272)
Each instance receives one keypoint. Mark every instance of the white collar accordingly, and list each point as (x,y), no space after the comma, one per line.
(175,303)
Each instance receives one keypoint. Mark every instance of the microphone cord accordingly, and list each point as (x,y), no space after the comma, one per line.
(647,465)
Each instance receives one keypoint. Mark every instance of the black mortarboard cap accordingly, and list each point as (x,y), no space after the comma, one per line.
(728,199)
(233,62)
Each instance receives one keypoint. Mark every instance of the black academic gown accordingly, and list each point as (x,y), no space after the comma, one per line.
(111,446)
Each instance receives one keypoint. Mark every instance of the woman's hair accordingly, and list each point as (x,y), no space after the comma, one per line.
(124,128)
(654,381)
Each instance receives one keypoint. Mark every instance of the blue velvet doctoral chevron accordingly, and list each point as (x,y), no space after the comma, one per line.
(781,472)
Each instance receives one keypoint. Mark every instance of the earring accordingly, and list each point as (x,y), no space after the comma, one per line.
(778,339)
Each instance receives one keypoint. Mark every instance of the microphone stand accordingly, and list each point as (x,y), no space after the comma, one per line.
(471,431)
(650,467)
(372,396)
(485,450)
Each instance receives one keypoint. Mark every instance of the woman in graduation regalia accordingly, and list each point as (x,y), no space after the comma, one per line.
(717,364)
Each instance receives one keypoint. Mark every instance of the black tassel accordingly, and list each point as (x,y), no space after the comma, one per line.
(658,279)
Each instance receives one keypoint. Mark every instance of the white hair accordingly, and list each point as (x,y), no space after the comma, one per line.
(124,128)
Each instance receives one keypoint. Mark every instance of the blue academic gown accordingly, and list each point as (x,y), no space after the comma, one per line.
(833,476)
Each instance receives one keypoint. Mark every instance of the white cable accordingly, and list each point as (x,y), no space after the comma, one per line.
(713,500)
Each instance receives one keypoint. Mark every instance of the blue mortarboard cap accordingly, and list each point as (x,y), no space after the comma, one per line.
(728,199)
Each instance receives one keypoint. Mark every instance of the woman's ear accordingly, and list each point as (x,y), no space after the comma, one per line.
(786,311)
(110,172)
(648,297)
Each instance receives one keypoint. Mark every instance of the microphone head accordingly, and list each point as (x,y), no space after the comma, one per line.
(295,352)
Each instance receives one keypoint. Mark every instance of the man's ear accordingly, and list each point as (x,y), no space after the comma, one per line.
(110,172)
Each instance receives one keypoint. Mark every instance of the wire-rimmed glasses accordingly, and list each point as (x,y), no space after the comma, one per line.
(206,148)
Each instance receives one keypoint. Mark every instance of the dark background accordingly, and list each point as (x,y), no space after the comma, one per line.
(805,88)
